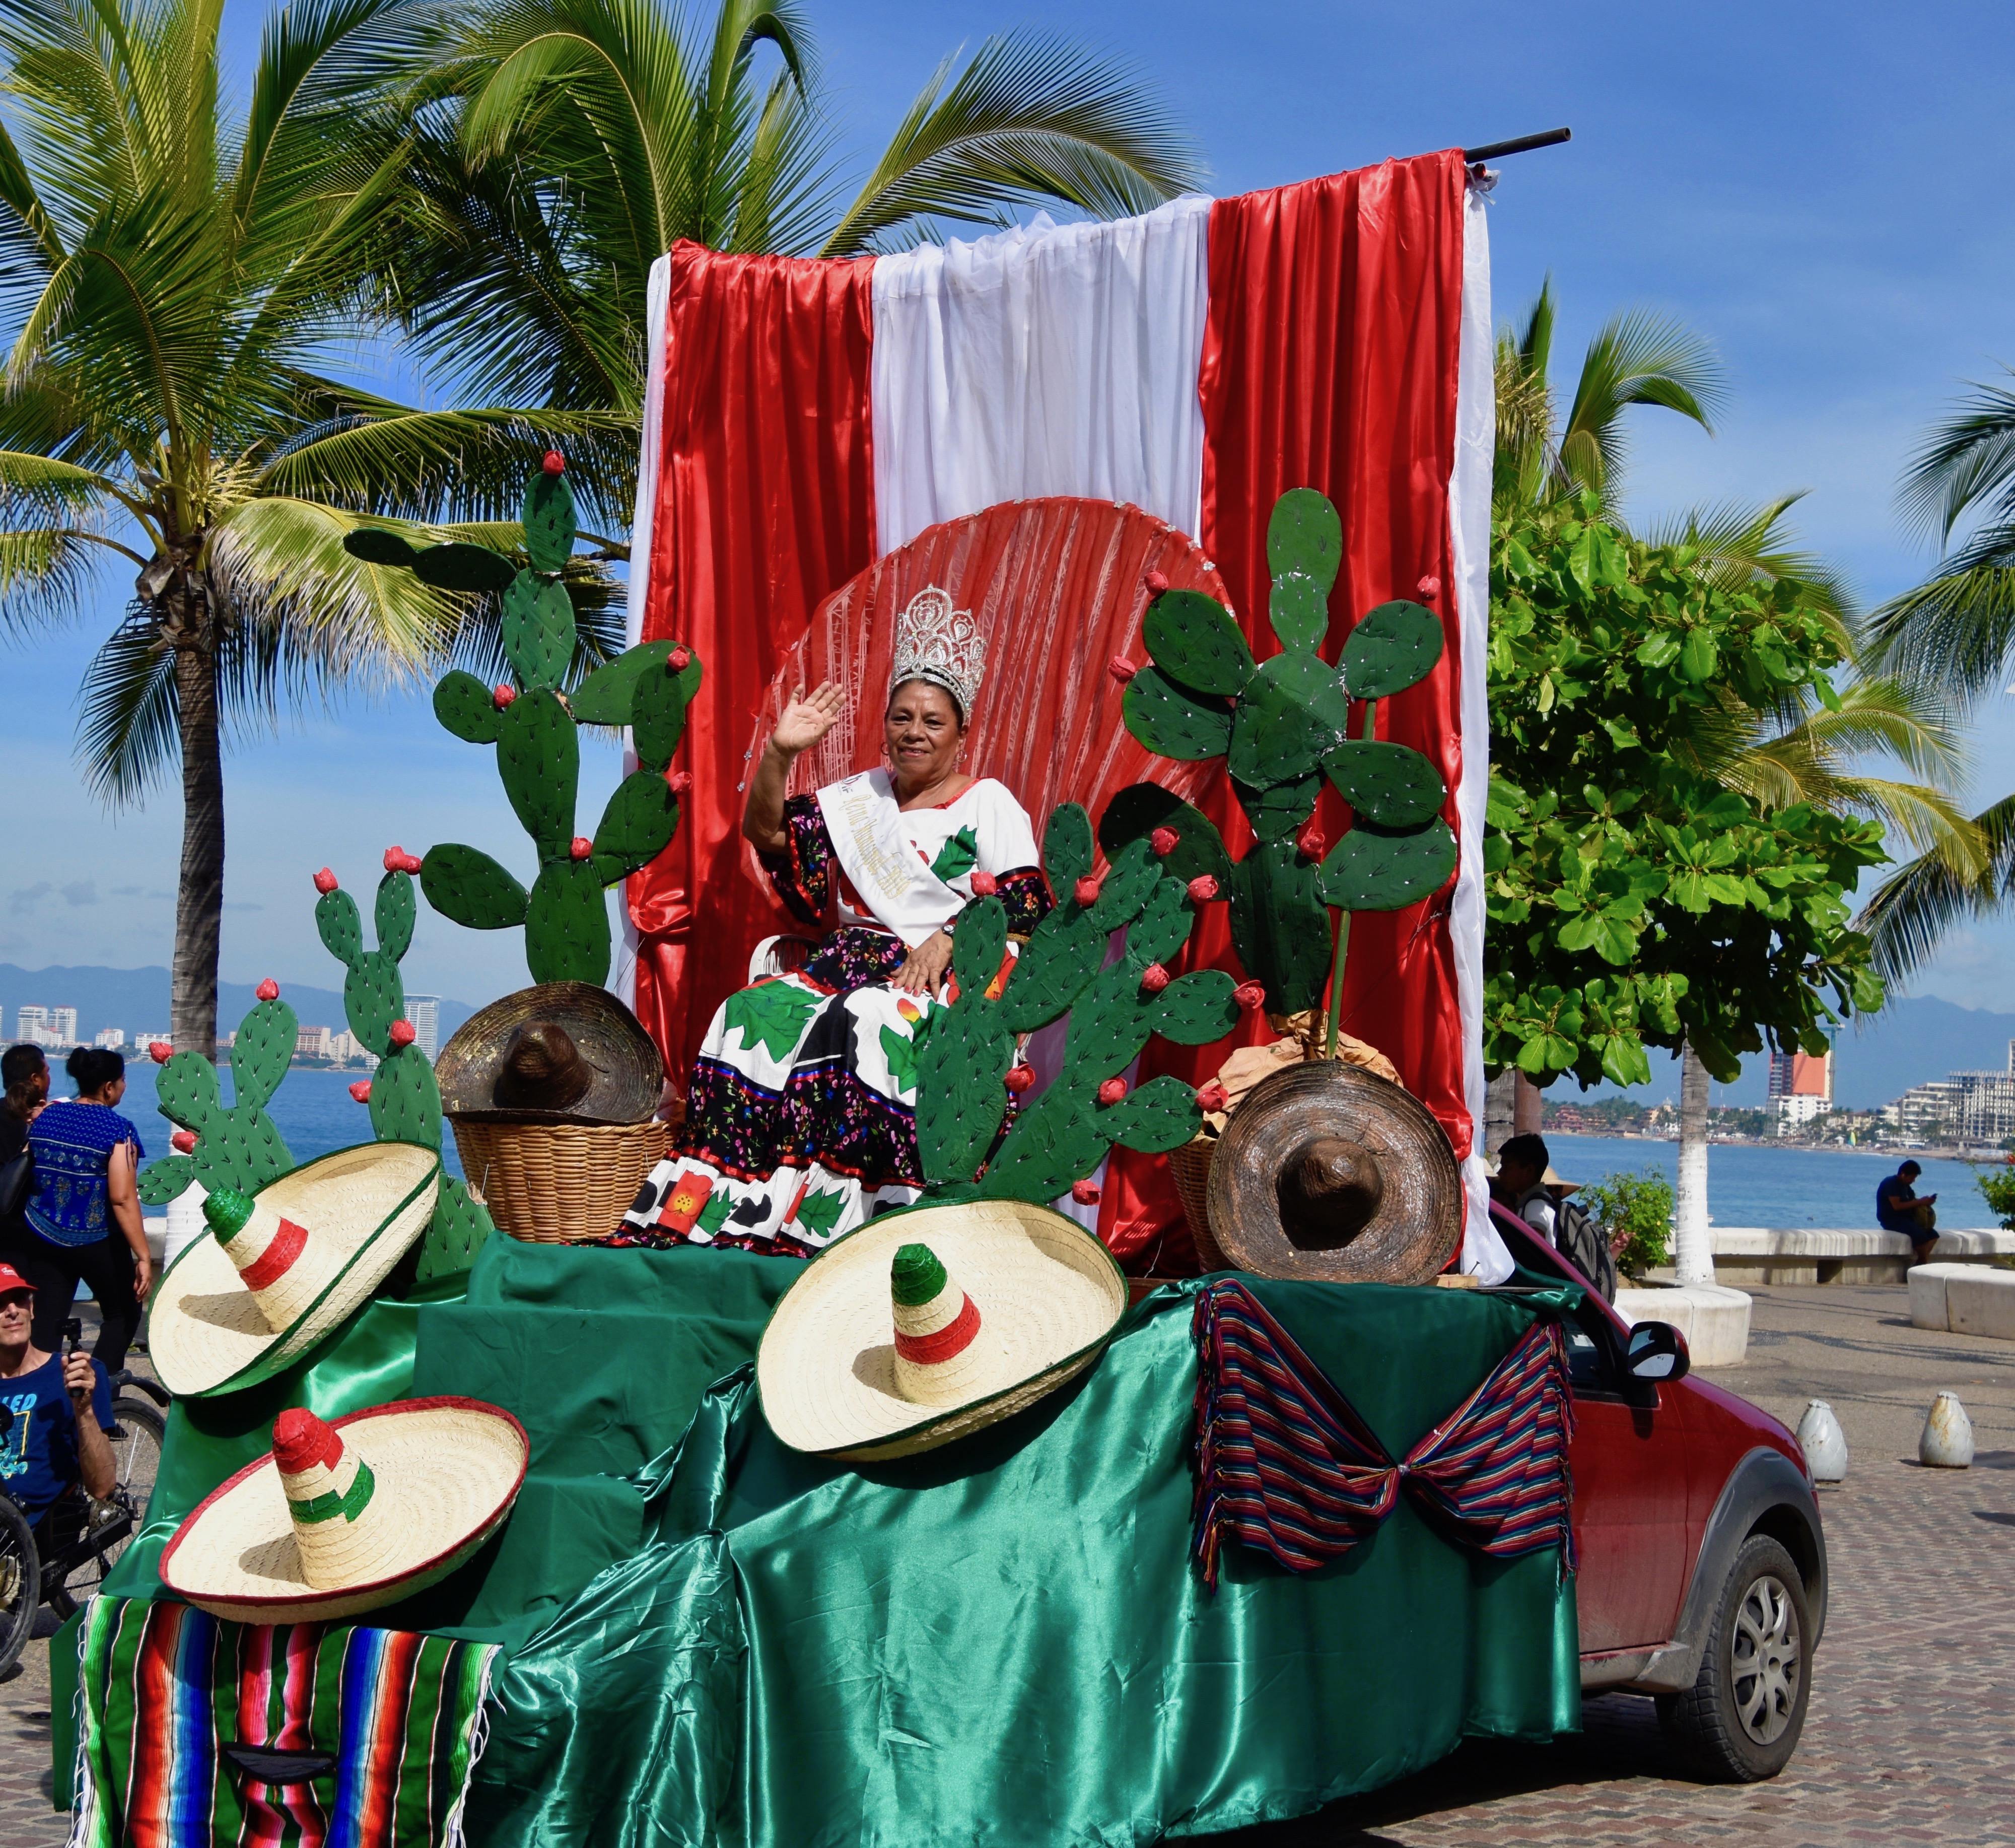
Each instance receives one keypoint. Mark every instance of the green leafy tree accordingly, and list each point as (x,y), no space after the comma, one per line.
(558,147)
(1636,1212)
(179,278)
(1634,900)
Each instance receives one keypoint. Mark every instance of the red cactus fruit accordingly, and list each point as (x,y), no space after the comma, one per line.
(1249,994)
(183,1140)
(1163,841)
(1429,587)
(362,1090)
(268,989)
(680,659)
(678,782)
(1121,669)
(505,697)
(395,859)
(324,881)
(1312,840)
(159,1052)
(582,847)
(1112,1090)
(984,884)
(1203,888)
(403,1032)
(1019,1078)
(1212,1096)
(554,463)
(1086,891)
(1085,1192)
(1156,582)
(1154,978)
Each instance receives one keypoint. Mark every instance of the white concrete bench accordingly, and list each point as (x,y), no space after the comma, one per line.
(1752,1256)
(1714,1320)
(1963,1300)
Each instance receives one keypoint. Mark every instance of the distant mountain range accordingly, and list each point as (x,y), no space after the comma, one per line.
(137,1000)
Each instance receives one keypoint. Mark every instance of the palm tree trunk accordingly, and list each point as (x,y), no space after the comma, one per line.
(200,903)
(1692,1243)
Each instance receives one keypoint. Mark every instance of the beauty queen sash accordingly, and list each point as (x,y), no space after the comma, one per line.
(875,849)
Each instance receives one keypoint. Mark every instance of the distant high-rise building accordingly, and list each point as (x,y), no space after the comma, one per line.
(62,1024)
(424,1012)
(1801,1085)
(311,1042)
(112,1038)
(32,1024)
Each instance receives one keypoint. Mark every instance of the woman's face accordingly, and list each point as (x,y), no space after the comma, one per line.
(922,734)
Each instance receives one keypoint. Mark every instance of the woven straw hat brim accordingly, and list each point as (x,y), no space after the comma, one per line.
(447,1472)
(363,1207)
(1049,1297)
(630,1071)
(1420,1218)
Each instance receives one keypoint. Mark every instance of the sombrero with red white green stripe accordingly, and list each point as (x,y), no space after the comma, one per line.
(287,1266)
(340,1518)
(923,1326)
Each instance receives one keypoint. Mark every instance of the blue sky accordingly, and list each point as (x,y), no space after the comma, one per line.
(1813,187)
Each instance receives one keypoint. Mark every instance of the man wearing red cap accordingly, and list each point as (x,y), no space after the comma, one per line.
(48,1444)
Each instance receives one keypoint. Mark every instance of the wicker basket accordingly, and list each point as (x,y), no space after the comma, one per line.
(559,1183)
(1190,1166)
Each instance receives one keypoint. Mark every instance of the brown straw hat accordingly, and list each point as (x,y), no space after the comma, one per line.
(339,1518)
(287,1267)
(1329,1173)
(561,1053)
(923,1326)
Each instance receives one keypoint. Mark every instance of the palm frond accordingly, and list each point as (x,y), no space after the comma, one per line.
(127,736)
(1637,357)
(1031,119)
(1741,544)
(44,574)
(1965,458)
(1914,908)
(1957,630)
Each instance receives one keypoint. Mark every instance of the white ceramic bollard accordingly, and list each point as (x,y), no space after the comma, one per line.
(1824,1442)
(1947,1442)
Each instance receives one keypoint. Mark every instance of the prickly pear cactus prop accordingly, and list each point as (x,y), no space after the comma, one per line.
(403,1098)
(966,1070)
(237,1146)
(1281,725)
(531,722)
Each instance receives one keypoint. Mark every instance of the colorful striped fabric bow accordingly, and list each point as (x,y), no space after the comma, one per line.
(1285,1463)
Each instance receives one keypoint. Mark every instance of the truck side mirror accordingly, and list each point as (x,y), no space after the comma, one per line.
(1657,1352)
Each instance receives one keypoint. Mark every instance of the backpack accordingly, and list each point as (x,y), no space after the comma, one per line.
(1582,1242)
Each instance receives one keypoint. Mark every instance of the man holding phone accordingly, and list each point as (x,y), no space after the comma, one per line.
(59,1408)
(1898,1210)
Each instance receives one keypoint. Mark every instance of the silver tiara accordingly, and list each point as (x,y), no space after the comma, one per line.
(943,645)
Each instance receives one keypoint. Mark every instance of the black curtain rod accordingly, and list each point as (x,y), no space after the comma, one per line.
(1551,137)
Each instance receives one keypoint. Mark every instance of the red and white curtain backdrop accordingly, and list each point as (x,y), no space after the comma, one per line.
(805,418)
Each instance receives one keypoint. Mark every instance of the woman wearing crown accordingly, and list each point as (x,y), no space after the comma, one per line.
(800,1121)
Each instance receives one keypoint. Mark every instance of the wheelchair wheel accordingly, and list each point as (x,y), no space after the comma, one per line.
(20,1583)
(137,1431)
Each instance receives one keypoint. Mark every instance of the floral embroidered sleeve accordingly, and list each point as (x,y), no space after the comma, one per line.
(802,873)
(1025,894)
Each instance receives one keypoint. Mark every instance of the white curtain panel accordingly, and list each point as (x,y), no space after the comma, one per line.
(1047,360)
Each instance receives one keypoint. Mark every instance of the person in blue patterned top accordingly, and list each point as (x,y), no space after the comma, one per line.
(82,1222)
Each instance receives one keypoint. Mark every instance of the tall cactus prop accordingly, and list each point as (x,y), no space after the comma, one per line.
(404,1099)
(1281,724)
(538,754)
(964,1069)
(236,1146)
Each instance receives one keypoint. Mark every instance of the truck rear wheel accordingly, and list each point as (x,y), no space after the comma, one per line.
(1741,1720)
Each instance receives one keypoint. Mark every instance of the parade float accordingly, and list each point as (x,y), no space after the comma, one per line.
(483,1518)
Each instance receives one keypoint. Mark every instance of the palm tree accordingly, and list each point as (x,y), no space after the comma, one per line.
(1954,637)
(177,282)
(1635,358)
(561,146)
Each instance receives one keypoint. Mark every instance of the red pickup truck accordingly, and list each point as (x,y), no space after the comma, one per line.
(1703,1579)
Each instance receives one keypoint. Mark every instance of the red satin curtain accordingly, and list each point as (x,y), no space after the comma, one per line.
(766,501)
(1330,361)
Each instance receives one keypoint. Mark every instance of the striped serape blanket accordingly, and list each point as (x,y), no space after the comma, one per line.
(1285,1463)
(165,1687)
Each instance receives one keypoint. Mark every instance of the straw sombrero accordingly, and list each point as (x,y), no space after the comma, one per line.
(338,1519)
(287,1267)
(923,1326)
(559,1052)
(1329,1173)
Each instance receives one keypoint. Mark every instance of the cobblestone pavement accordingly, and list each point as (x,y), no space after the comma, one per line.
(1911,1735)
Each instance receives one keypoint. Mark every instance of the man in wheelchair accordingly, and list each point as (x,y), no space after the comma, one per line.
(51,1455)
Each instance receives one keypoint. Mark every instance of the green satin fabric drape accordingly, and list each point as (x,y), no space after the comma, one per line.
(1003,1641)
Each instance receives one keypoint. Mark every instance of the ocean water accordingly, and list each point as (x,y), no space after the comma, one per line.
(1782,1188)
